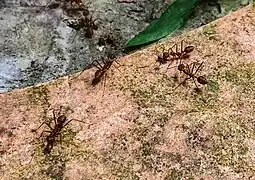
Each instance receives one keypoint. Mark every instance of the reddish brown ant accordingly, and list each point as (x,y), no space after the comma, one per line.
(89,24)
(60,121)
(101,71)
(164,55)
(170,55)
(183,54)
(185,68)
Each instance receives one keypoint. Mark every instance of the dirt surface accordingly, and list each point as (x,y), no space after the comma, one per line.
(137,126)
(37,45)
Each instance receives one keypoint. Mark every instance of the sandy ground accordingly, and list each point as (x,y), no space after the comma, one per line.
(136,126)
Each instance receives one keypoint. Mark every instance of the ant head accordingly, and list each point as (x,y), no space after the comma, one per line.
(85,12)
(189,49)
(61,119)
(159,58)
(165,55)
(178,54)
(202,80)
(181,67)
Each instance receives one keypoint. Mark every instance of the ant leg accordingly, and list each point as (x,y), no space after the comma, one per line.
(172,53)
(67,122)
(60,139)
(34,130)
(94,20)
(195,82)
(118,63)
(72,120)
(99,66)
(47,4)
(170,65)
(77,120)
(191,72)
(54,117)
(117,67)
(176,50)
(43,133)
(199,67)
(104,83)
(182,46)
(181,83)
(161,48)
(93,23)
(175,45)
(104,61)
(69,109)
(48,124)
(90,19)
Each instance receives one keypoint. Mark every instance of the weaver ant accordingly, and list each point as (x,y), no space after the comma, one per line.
(60,121)
(102,69)
(164,56)
(86,22)
(185,68)
(89,23)
(183,54)
(170,55)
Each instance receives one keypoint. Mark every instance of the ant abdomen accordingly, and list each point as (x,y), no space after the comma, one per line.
(202,80)
(97,79)
(189,49)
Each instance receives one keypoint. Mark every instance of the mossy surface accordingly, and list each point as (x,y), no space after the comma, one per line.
(38,95)
(209,31)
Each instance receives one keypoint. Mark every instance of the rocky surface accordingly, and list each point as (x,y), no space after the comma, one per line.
(137,125)
(37,45)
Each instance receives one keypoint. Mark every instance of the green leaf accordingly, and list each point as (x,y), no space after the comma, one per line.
(172,19)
